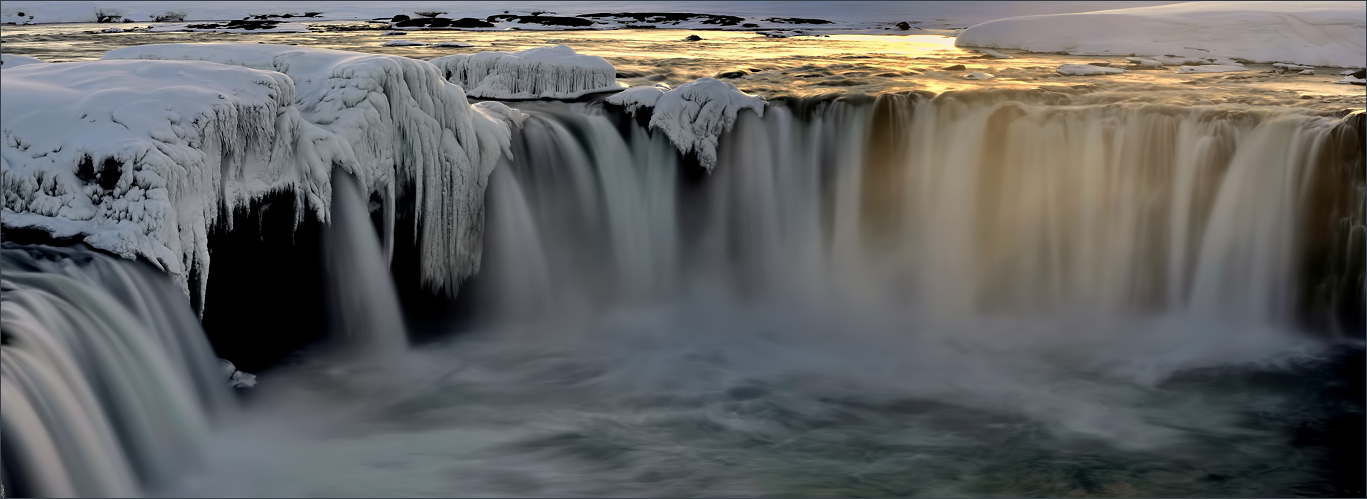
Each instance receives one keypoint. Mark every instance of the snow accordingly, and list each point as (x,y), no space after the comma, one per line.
(11,60)
(978,75)
(555,72)
(1210,69)
(694,115)
(403,43)
(1087,70)
(224,28)
(139,157)
(1349,80)
(1312,33)
(394,33)
(391,121)
(1143,62)
(1290,67)
(635,98)
(993,54)
(1307,72)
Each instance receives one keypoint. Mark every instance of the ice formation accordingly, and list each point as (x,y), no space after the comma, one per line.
(1313,33)
(555,72)
(12,60)
(978,75)
(1087,70)
(693,116)
(1145,62)
(139,156)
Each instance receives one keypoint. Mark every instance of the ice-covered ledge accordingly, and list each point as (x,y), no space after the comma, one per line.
(694,115)
(552,72)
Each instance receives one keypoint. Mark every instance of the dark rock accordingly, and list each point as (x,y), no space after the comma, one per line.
(1359,74)
(668,17)
(956,67)
(730,74)
(656,77)
(237,24)
(624,74)
(693,38)
(903,26)
(399,18)
(749,25)
(442,22)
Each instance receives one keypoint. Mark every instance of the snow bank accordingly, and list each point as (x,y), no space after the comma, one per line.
(407,129)
(555,72)
(11,60)
(138,157)
(1145,62)
(978,75)
(693,116)
(1313,33)
(1087,70)
(1210,69)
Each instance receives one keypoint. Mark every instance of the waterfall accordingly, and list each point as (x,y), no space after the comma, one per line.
(108,380)
(364,308)
(962,205)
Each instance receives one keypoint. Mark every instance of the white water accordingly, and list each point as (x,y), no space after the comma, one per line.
(364,308)
(108,379)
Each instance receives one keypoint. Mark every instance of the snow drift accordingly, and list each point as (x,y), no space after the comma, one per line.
(544,72)
(1314,33)
(12,60)
(693,116)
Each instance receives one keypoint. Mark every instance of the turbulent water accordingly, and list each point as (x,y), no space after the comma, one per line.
(980,293)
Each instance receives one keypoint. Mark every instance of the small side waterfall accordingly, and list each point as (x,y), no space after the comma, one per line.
(364,306)
(107,380)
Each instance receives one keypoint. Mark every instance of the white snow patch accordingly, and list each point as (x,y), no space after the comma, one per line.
(1349,80)
(978,75)
(403,43)
(1290,67)
(1306,72)
(1087,70)
(1314,33)
(1210,69)
(555,72)
(993,54)
(11,60)
(1143,62)
(394,33)
(693,116)
(409,130)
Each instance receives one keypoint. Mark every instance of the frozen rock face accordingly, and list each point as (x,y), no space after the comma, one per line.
(693,116)
(139,157)
(408,128)
(544,72)
(10,60)
(1313,33)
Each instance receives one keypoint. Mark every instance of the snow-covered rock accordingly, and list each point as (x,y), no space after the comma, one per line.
(11,60)
(403,43)
(694,115)
(406,127)
(1210,69)
(635,98)
(555,72)
(1306,72)
(993,54)
(1349,80)
(1087,70)
(1314,33)
(139,157)
(240,26)
(394,32)
(453,44)
(1145,62)
(978,75)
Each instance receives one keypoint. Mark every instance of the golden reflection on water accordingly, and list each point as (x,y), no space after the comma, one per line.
(802,66)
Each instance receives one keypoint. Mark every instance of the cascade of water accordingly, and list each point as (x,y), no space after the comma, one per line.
(365,313)
(108,379)
(955,206)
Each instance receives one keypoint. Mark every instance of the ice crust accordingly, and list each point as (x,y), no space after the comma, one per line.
(555,72)
(175,140)
(1312,33)
(694,115)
